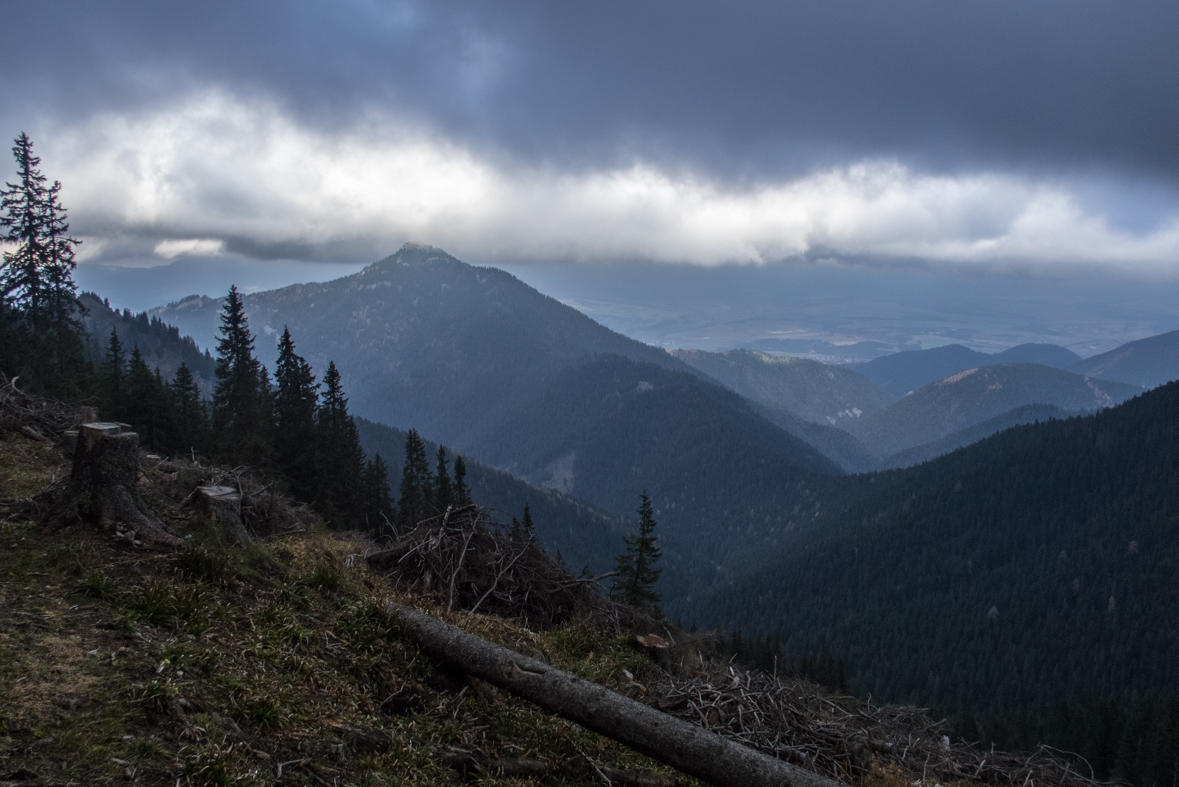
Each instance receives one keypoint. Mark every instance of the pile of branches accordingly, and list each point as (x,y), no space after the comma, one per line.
(796,721)
(463,560)
(38,417)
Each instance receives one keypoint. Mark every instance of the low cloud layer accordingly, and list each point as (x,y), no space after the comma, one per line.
(216,172)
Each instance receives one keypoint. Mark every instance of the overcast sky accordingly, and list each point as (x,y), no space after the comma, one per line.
(961,132)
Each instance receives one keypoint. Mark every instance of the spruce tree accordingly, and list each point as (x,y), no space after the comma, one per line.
(634,582)
(379,514)
(461,493)
(23,219)
(416,493)
(340,457)
(442,488)
(189,422)
(296,399)
(240,416)
(38,299)
(113,380)
(145,393)
(523,530)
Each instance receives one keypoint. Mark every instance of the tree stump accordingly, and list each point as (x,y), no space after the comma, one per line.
(104,483)
(223,504)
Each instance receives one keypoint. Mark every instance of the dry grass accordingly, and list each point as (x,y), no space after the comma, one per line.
(219,664)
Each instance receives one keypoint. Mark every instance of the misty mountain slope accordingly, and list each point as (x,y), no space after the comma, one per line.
(902,373)
(1020,415)
(161,345)
(834,443)
(1047,354)
(1032,572)
(717,472)
(801,396)
(581,533)
(425,340)
(1146,362)
(976,395)
(811,390)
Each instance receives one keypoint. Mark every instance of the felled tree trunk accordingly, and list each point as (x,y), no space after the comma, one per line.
(105,480)
(686,747)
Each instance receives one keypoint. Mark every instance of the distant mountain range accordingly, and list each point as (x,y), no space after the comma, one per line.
(976,395)
(905,372)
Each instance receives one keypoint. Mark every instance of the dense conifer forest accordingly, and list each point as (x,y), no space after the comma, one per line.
(1024,586)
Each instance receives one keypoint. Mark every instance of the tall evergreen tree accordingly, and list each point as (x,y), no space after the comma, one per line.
(442,487)
(379,513)
(462,493)
(145,398)
(634,582)
(340,457)
(23,205)
(38,299)
(189,421)
(113,380)
(241,425)
(523,529)
(416,493)
(296,399)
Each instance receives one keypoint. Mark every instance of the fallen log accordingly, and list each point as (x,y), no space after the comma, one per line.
(684,746)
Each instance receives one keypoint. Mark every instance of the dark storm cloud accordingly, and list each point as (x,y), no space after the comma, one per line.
(752,90)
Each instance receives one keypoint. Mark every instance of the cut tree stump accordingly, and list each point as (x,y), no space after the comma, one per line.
(690,749)
(223,504)
(104,483)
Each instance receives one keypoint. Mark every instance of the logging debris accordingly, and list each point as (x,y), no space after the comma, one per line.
(847,739)
(463,560)
(37,416)
(685,746)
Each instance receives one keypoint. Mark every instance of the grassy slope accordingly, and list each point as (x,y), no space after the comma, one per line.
(216,665)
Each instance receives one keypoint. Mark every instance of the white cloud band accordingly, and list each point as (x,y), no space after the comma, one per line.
(215,168)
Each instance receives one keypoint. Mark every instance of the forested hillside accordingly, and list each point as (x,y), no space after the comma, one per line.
(161,345)
(1025,585)
(582,534)
(718,473)
(1027,414)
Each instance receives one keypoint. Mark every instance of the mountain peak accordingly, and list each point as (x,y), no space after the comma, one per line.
(412,246)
